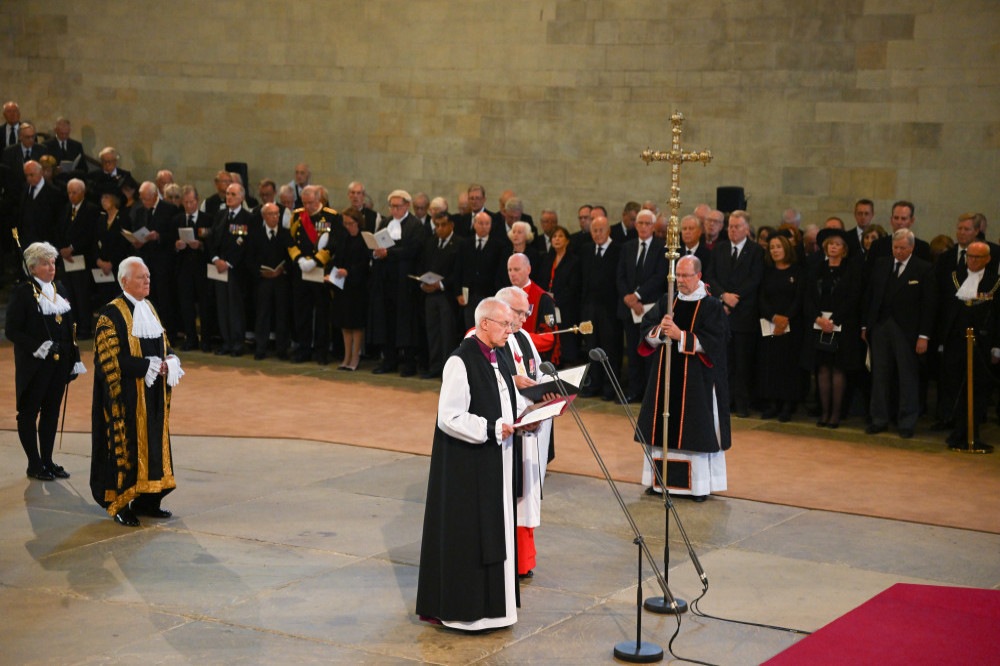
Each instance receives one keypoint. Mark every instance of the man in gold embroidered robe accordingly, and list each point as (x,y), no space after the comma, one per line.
(135,369)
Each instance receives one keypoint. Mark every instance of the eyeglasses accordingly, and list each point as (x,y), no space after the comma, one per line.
(522,313)
(505,324)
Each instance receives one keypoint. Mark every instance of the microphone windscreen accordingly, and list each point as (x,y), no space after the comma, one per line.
(547,369)
(597,354)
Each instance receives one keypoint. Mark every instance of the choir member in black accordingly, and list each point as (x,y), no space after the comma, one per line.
(395,297)
(831,301)
(698,433)
(78,225)
(157,250)
(484,265)
(559,275)
(780,303)
(46,358)
(112,246)
(351,261)
(315,231)
(196,295)
(229,235)
(441,298)
(970,299)
(267,255)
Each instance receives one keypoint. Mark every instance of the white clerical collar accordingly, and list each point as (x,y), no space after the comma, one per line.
(51,302)
(144,323)
(695,295)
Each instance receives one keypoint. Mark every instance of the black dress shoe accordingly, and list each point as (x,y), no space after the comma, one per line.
(222,351)
(40,473)
(383,369)
(769,413)
(152,513)
(206,348)
(875,429)
(259,356)
(832,425)
(906,433)
(299,358)
(408,372)
(236,353)
(530,574)
(430,375)
(652,491)
(126,518)
(699,498)
(57,471)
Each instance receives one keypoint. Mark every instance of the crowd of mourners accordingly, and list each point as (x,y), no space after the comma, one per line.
(867,317)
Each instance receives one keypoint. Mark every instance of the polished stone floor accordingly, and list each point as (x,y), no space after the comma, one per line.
(287,551)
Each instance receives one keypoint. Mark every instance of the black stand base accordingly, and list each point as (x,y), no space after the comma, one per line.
(643,653)
(977,447)
(660,605)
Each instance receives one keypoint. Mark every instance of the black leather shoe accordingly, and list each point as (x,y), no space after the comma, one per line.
(222,351)
(875,429)
(530,574)
(259,356)
(236,353)
(699,498)
(408,372)
(40,473)
(652,491)
(906,433)
(152,513)
(189,346)
(126,518)
(57,471)
(383,369)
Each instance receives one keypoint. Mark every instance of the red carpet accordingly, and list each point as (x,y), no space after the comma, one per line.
(908,624)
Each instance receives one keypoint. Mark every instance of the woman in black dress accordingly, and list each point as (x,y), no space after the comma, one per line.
(46,358)
(350,304)
(780,303)
(831,300)
(559,274)
(112,247)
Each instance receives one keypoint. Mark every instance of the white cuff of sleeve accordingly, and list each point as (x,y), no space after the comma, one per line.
(79,368)
(174,372)
(498,426)
(43,349)
(154,369)
(995,352)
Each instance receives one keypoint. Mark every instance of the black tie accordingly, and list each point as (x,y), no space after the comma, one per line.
(899,265)
(27,154)
(441,244)
(191,220)
(62,146)
(600,251)
(479,244)
(642,258)
(232,216)
(961,258)
(270,234)
(736,255)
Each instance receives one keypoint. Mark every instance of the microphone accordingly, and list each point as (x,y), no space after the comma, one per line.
(598,355)
(546,368)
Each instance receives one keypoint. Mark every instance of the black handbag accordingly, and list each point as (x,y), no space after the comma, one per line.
(827,342)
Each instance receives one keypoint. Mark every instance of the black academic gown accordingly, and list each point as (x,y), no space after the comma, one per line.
(693,377)
(462,552)
(130,439)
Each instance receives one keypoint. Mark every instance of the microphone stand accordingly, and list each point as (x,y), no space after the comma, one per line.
(636,651)
(655,604)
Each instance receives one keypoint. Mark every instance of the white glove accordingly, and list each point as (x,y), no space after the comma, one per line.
(306,265)
(174,372)
(154,369)
(323,240)
(43,350)
(79,368)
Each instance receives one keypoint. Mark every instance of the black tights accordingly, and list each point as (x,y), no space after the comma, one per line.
(831,384)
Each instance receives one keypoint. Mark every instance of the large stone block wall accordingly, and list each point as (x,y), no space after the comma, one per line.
(805,103)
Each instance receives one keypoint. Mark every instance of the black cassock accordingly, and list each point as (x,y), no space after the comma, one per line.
(130,441)
(693,378)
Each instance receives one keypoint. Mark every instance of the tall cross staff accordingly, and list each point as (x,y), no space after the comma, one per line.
(676,157)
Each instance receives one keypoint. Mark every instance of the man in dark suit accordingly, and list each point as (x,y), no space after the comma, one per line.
(217,200)
(971,301)
(11,124)
(641,281)
(902,218)
(864,211)
(267,258)
(60,146)
(735,272)
(441,255)
(625,229)
(395,297)
(477,204)
(16,156)
(110,175)
(966,232)
(598,269)
(898,319)
(579,239)
(483,265)
(39,209)
(157,251)
(195,294)
(229,235)
(419,207)
(77,231)
(691,232)
(356,196)
(548,221)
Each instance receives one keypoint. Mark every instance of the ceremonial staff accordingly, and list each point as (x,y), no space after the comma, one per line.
(676,157)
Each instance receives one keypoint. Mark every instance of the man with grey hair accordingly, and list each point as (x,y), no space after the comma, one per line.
(131,468)
(548,220)
(476,195)
(157,250)
(395,297)
(228,252)
(791,216)
(356,199)
(467,578)
(61,146)
(110,175)
(77,233)
(11,124)
(421,202)
(299,181)
(39,210)
(195,295)
(14,158)
(897,321)
(714,223)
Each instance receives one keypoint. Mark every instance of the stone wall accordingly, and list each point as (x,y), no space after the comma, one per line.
(805,103)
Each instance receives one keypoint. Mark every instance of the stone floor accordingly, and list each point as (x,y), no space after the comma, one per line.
(287,551)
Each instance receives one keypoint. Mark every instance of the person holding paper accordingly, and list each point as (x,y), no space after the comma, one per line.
(697,435)
(780,304)
(40,324)
(441,256)
(830,310)
(315,232)
(193,228)
(157,249)
(229,235)
(641,280)
(351,263)
(111,244)
(131,466)
(77,230)
(468,570)
(267,253)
